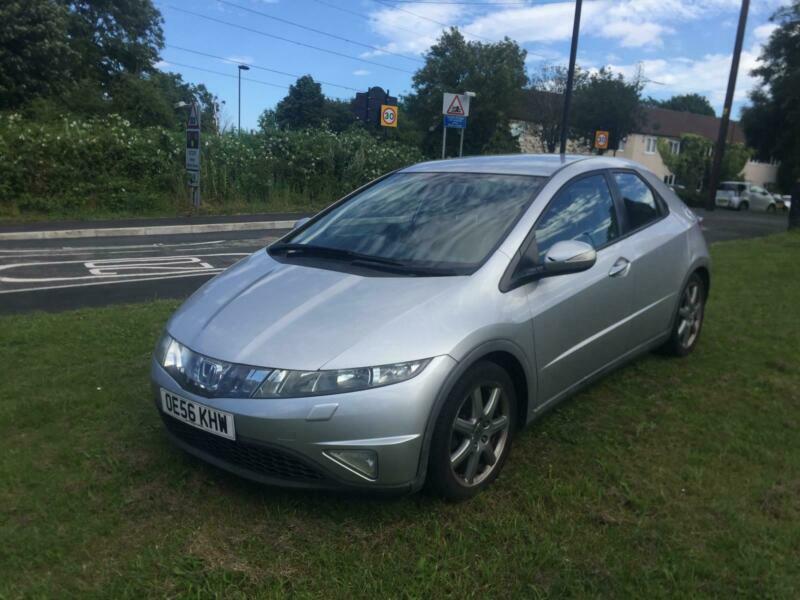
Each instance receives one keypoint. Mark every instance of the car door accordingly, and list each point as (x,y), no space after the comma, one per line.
(657,250)
(760,198)
(579,319)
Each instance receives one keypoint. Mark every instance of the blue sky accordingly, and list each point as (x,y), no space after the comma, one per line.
(681,45)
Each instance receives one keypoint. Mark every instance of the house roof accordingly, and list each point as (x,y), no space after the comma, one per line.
(673,123)
(655,121)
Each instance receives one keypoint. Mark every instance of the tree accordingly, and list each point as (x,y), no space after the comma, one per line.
(34,51)
(772,121)
(494,71)
(113,37)
(605,101)
(692,165)
(302,106)
(691,103)
(544,103)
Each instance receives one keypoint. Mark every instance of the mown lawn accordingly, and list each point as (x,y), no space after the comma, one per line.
(670,478)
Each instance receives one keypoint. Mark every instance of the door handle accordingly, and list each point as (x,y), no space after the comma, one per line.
(620,268)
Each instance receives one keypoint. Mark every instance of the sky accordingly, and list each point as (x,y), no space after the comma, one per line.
(680,46)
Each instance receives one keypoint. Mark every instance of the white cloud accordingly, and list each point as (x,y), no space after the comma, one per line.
(360,72)
(161,64)
(244,59)
(762,32)
(706,75)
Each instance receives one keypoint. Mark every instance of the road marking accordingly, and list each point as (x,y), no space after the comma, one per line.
(168,265)
(93,283)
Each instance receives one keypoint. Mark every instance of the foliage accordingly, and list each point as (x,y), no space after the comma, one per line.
(34,50)
(666,479)
(494,71)
(306,107)
(772,121)
(113,37)
(606,101)
(106,166)
(691,103)
(545,103)
(692,165)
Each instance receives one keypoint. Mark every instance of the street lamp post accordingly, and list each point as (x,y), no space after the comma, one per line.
(471,95)
(241,68)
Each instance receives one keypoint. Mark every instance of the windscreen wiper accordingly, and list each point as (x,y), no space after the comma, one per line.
(356,258)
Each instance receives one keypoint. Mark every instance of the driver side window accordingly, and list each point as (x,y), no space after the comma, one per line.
(583,210)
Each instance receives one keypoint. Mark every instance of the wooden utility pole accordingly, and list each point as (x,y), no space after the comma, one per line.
(719,150)
(573,51)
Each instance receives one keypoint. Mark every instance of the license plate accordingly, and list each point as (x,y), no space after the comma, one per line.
(200,416)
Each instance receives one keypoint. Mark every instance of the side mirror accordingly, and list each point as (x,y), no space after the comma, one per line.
(300,222)
(569,256)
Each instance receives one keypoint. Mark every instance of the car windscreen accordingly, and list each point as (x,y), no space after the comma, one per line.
(434,220)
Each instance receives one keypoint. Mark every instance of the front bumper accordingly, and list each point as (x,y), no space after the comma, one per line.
(283,441)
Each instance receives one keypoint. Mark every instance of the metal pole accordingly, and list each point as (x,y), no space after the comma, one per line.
(573,51)
(719,150)
(461,144)
(444,137)
(240,101)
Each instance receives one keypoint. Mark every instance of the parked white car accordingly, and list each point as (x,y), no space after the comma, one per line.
(743,195)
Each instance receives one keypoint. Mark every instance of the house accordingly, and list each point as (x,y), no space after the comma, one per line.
(642,144)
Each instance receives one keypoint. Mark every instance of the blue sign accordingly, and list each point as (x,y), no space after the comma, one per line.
(455,122)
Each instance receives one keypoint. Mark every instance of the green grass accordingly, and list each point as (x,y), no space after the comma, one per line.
(669,478)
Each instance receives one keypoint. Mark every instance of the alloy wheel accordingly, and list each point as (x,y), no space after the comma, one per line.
(479,434)
(690,314)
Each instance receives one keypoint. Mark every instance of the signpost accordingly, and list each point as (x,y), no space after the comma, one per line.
(601,140)
(193,153)
(388,115)
(455,108)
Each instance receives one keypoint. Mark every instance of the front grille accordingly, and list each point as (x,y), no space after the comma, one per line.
(253,457)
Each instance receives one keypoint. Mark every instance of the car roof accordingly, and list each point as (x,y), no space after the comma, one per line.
(542,165)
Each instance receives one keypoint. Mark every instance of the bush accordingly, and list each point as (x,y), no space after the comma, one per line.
(106,166)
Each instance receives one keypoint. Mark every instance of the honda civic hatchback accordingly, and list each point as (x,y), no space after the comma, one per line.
(404,335)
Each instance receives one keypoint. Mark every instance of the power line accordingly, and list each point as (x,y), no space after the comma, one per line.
(253,66)
(221,74)
(290,41)
(319,31)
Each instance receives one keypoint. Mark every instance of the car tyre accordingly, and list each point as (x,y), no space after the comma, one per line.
(473,432)
(744,205)
(771,209)
(689,317)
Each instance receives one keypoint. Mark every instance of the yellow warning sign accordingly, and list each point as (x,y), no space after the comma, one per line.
(388,115)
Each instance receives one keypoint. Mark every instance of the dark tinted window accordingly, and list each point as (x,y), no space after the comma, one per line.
(640,204)
(426,219)
(583,210)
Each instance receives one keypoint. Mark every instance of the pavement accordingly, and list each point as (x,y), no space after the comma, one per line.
(62,273)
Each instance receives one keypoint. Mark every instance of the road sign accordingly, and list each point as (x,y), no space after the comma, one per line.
(192,159)
(194,178)
(388,116)
(455,122)
(455,105)
(193,122)
(601,140)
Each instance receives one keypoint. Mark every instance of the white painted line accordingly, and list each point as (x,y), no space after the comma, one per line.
(76,285)
(149,230)
(142,262)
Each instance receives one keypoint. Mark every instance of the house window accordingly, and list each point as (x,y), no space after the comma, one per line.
(650,145)
(669,179)
(674,147)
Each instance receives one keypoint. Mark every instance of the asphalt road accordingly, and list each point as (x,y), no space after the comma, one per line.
(56,275)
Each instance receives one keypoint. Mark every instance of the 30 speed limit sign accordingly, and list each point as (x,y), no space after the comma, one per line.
(388,115)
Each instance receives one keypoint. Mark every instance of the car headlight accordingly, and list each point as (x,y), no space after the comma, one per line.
(219,379)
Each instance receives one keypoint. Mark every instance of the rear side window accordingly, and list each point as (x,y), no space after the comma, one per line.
(641,207)
(583,210)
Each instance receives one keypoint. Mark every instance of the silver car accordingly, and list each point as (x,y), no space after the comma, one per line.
(405,334)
